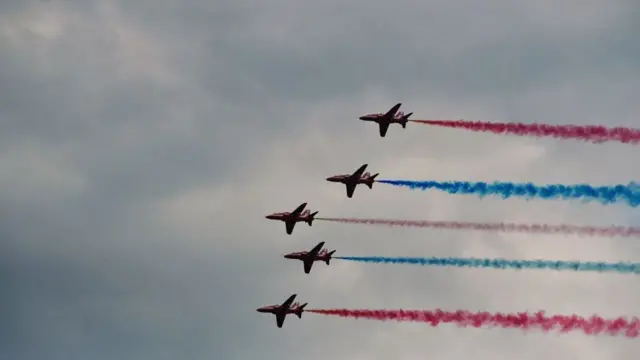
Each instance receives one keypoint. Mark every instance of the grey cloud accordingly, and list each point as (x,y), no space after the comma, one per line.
(88,106)
(462,51)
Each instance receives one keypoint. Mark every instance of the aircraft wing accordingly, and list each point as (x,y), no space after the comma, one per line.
(316,249)
(295,213)
(287,303)
(280,319)
(383,128)
(351,187)
(307,265)
(311,256)
(290,225)
(392,112)
(358,173)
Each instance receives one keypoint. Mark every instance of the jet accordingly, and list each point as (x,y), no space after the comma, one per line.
(384,120)
(352,180)
(281,311)
(291,218)
(309,257)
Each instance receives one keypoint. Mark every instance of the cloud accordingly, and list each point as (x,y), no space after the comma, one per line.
(143,143)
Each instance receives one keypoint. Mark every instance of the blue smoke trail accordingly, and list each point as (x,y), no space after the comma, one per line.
(619,267)
(604,194)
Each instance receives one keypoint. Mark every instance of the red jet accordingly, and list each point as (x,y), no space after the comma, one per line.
(309,257)
(281,311)
(384,120)
(352,180)
(291,218)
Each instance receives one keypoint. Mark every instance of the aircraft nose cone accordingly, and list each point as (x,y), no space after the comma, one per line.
(362,118)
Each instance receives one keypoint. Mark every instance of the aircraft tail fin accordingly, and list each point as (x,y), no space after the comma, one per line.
(329,257)
(405,119)
(310,219)
(299,310)
(371,180)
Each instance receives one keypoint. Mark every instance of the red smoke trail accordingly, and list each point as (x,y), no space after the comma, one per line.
(463,318)
(594,134)
(504,227)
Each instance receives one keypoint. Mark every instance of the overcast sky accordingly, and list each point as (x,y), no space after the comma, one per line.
(143,142)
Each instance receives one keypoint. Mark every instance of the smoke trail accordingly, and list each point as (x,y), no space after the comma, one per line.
(619,267)
(592,326)
(503,227)
(594,134)
(604,194)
